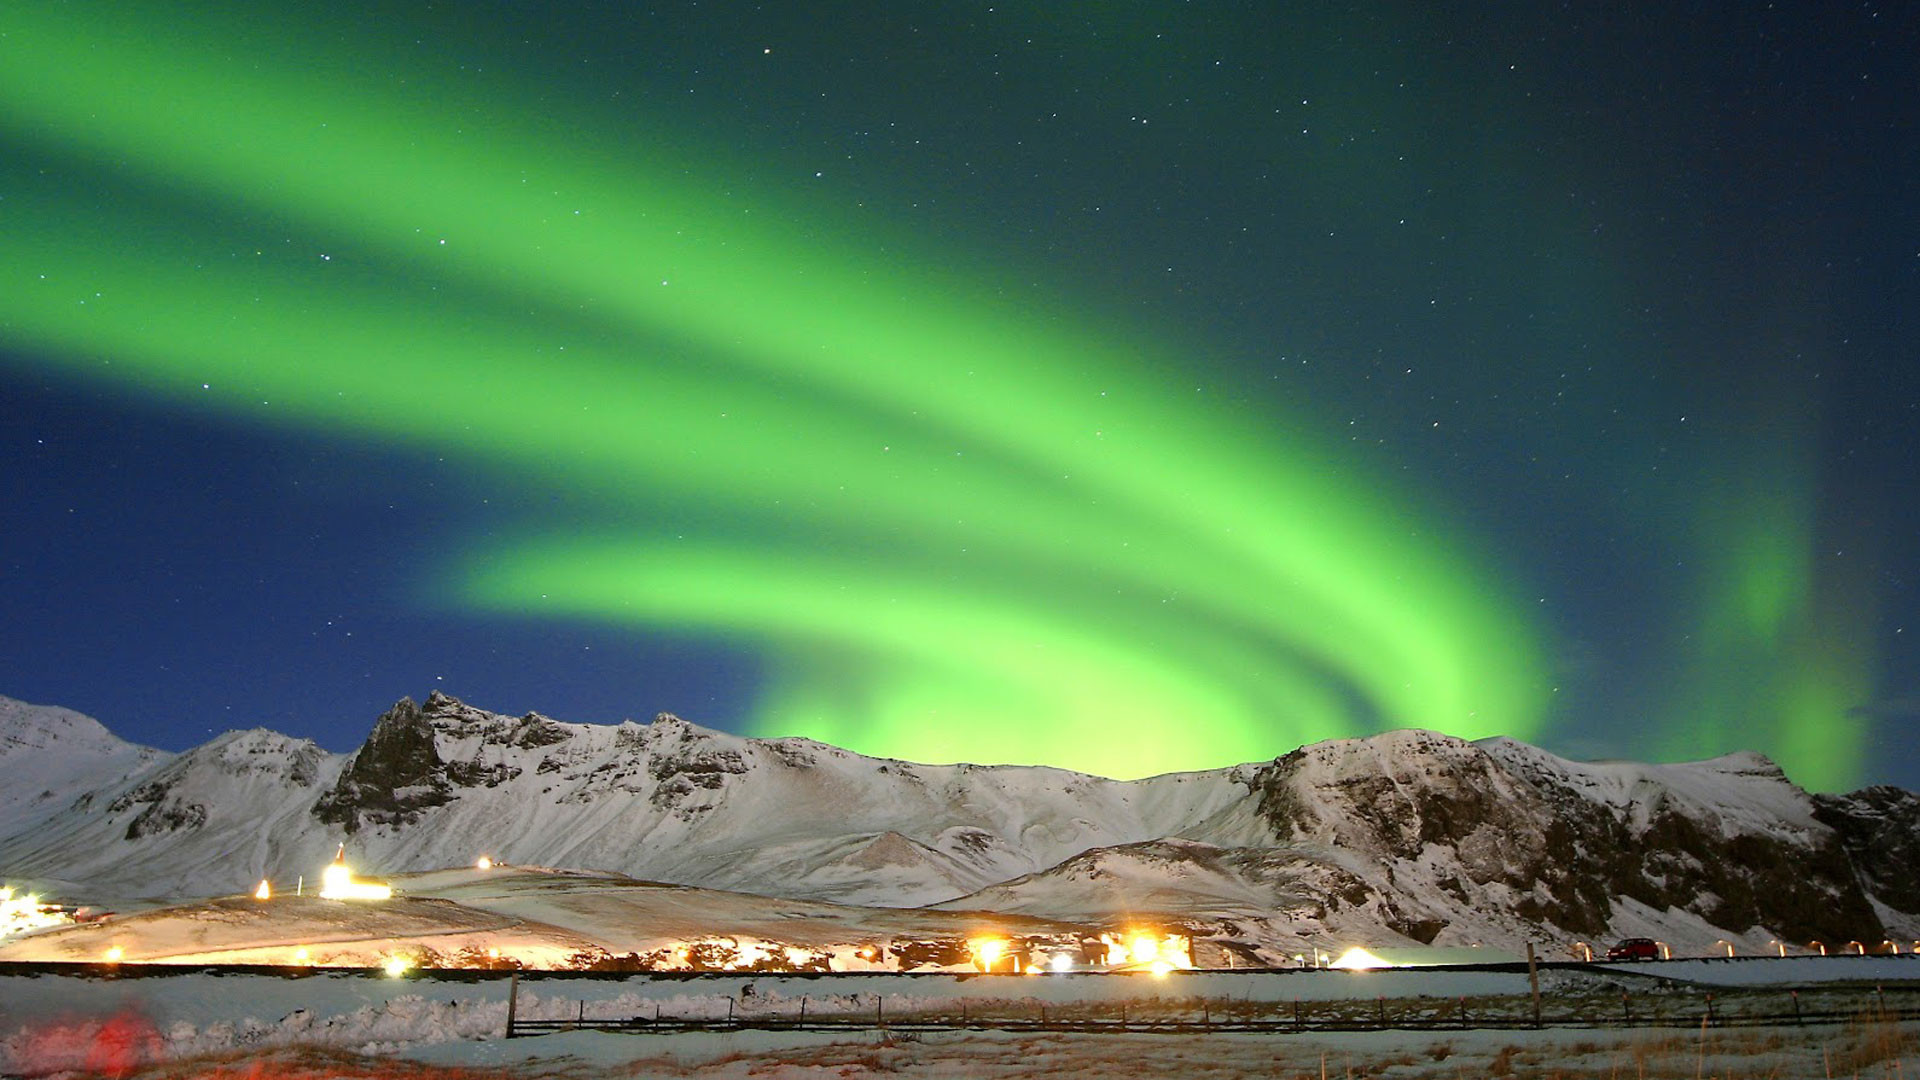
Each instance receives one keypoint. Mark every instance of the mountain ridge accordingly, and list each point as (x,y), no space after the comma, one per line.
(1406,836)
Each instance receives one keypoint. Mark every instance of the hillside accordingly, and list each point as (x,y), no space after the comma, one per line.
(1406,836)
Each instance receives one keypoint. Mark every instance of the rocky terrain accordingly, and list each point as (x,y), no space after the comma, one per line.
(1408,836)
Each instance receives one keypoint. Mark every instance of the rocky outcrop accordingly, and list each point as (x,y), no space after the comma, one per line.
(1564,849)
(1879,830)
(394,776)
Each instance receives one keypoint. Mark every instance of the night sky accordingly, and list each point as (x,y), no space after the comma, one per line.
(1126,387)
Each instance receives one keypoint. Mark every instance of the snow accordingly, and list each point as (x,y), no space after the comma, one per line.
(457,1020)
(1743,791)
(50,755)
(789,842)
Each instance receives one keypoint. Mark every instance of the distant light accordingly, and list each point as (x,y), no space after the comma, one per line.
(484,863)
(1060,962)
(114,954)
(264,892)
(300,957)
(396,966)
(1160,968)
(987,952)
(1359,959)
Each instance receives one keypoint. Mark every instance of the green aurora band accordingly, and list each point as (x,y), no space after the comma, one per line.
(956,529)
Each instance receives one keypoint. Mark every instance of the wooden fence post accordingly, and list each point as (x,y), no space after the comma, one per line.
(513,1000)
(1533,981)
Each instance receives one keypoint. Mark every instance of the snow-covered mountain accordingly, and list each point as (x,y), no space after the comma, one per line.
(49,754)
(1404,836)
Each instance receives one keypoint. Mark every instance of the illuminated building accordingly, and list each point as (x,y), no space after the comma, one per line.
(338,883)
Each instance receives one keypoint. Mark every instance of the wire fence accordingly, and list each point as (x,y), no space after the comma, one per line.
(1773,1007)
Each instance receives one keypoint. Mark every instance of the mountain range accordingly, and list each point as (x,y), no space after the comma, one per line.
(1403,837)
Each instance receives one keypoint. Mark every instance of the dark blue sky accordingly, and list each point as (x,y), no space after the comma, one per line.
(1625,296)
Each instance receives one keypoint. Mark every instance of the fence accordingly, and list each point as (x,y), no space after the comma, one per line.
(1740,1009)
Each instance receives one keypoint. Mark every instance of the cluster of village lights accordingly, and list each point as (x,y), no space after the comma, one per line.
(20,913)
(1136,950)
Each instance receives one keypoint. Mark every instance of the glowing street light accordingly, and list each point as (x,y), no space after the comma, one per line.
(1666,950)
(1821,945)
(264,892)
(1777,944)
(1858,948)
(483,863)
(1586,951)
(1728,944)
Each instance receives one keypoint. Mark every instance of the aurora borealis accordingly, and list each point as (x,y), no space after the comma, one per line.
(895,381)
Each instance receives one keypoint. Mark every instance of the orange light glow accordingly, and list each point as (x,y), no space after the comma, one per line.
(338,883)
(483,863)
(264,892)
(987,952)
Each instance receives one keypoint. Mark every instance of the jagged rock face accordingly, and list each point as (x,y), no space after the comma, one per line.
(1516,828)
(1499,832)
(391,779)
(1879,829)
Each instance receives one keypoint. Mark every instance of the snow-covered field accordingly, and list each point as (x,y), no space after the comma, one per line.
(142,1021)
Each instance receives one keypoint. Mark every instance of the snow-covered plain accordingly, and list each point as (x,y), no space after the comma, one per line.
(138,1021)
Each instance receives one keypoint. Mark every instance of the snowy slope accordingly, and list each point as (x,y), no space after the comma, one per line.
(201,823)
(438,784)
(49,755)
(1420,837)
(1404,836)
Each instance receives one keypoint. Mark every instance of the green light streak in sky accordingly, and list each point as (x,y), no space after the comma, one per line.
(978,532)
(1774,655)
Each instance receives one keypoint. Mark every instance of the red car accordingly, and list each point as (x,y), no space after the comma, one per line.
(1635,948)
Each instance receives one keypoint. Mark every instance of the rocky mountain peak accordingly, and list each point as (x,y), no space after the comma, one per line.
(1410,833)
(396,774)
